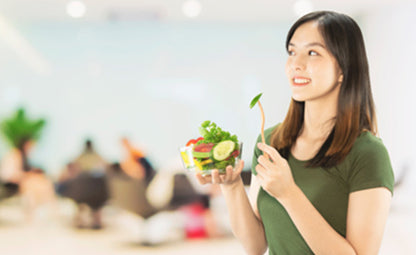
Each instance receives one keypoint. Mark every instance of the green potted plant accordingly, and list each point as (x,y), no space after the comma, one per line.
(19,131)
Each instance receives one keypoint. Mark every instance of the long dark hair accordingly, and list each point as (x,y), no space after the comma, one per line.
(355,112)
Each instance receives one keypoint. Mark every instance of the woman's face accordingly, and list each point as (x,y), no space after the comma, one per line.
(312,70)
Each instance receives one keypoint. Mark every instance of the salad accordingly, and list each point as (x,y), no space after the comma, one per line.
(215,149)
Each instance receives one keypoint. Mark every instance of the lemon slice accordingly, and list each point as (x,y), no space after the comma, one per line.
(223,150)
(185,159)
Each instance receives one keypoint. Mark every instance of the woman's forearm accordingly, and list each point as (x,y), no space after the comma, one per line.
(318,234)
(247,228)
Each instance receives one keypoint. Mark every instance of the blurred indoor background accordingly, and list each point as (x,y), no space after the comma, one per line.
(151,71)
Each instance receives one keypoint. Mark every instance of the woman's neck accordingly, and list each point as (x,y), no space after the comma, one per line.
(319,119)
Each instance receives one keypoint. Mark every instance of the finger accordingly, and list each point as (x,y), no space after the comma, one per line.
(200,179)
(206,176)
(260,174)
(271,151)
(215,176)
(265,162)
(239,167)
(261,171)
(229,172)
(222,178)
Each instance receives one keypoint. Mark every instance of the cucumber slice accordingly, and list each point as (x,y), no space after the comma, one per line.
(198,154)
(223,150)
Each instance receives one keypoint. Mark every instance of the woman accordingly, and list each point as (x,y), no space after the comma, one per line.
(327,185)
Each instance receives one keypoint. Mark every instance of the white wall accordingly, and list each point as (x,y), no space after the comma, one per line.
(156,82)
(391,38)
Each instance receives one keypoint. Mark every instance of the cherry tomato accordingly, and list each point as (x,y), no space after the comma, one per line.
(235,153)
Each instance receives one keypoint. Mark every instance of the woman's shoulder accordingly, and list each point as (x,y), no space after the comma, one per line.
(369,164)
(367,146)
(367,141)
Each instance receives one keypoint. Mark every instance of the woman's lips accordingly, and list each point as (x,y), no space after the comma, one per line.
(300,81)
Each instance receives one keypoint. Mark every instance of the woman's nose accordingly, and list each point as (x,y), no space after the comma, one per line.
(298,63)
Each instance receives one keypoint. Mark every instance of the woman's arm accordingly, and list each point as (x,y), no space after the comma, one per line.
(366,216)
(318,234)
(246,226)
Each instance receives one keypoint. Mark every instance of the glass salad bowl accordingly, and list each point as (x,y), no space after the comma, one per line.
(205,157)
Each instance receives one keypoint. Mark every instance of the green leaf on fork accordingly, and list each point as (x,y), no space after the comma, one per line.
(255,100)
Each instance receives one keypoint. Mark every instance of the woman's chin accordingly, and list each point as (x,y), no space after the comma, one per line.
(298,98)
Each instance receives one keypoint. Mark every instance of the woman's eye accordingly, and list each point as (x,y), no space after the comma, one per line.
(313,53)
(290,52)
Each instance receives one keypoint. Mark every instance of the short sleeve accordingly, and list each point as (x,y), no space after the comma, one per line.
(371,167)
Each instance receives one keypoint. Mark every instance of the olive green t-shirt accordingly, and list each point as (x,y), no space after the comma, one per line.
(366,166)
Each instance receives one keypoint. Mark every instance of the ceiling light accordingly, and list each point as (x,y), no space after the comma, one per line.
(76,9)
(191,8)
(302,7)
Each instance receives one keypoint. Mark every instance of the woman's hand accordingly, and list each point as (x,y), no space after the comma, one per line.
(274,174)
(230,177)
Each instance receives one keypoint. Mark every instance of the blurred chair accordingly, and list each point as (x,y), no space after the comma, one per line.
(8,190)
(129,194)
(84,181)
(132,194)
(87,188)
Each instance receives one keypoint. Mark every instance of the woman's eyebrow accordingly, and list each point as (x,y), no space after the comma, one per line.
(312,44)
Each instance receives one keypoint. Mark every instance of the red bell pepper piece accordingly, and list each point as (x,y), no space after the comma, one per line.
(192,141)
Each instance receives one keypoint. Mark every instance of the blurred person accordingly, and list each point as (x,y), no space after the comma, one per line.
(37,192)
(173,191)
(11,171)
(136,164)
(70,171)
(216,214)
(170,208)
(89,160)
(201,219)
(322,183)
(195,221)
(84,181)
(13,166)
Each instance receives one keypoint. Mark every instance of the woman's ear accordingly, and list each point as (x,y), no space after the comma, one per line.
(340,78)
